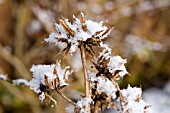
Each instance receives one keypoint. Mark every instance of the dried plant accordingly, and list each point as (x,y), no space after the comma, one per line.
(101,87)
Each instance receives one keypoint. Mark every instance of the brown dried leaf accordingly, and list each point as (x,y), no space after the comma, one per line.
(82,19)
(90,51)
(66,27)
(106,32)
(66,51)
(96,35)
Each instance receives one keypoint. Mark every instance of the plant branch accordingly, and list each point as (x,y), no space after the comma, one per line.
(66,98)
(86,82)
(83,58)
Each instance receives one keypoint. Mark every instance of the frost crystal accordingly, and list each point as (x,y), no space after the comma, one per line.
(3,77)
(132,102)
(78,32)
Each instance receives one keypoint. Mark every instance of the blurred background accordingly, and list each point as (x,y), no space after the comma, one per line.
(141,35)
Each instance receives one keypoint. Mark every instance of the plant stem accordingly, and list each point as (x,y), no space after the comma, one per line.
(86,82)
(66,98)
(96,107)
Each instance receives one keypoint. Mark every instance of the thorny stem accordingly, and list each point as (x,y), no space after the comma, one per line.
(66,98)
(86,82)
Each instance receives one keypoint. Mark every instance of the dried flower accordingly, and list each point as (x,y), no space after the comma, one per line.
(80,32)
(111,67)
(103,91)
(132,102)
(47,78)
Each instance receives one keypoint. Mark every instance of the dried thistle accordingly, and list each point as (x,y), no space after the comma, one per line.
(101,88)
(47,79)
(80,32)
(110,67)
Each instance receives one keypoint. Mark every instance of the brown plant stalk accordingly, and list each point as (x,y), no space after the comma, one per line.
(96,107)
(86,82)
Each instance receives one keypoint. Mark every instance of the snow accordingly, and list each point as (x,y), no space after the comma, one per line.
(92,76)
(83,104)
(40,71)
(136,107)
(131,93)
(106,51)
(20,81)
(106,86)
(42,97)
(117,63)
(132,101)
(52,37)
(3,77)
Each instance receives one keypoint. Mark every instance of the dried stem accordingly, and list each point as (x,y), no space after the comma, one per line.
(86,82)
(66,98)
(96,107)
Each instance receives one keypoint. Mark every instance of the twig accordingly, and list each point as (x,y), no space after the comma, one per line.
(83,57)
(66,98)
(86,82)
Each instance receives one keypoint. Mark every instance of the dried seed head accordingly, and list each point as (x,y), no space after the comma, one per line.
(132,101)
(111,67)
(47,78)
(81,31)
